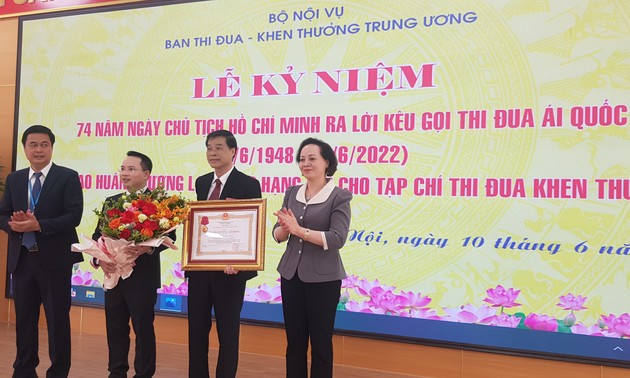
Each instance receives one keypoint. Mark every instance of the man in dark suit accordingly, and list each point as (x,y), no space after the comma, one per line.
(135,296)
(224,291)
(40,209)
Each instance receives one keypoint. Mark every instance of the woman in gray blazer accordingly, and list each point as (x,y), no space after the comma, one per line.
(314,220)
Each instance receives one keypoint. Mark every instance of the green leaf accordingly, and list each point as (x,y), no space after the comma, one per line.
(562,327)
(521,324)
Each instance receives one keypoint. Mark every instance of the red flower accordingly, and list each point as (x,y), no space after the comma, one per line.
(150,225)
(147,208)
(127,217)
(124,234)
(113,213)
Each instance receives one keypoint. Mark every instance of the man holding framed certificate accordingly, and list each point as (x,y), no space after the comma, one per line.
(222,290)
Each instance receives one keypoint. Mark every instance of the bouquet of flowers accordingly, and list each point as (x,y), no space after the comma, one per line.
(138,219)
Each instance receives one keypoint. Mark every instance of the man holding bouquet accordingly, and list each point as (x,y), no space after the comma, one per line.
(135,296)
(224,291)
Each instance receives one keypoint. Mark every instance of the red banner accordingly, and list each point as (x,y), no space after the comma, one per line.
(12,8)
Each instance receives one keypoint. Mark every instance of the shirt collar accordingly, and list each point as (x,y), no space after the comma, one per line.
(224,177)
(44,171)
(320,197)
(139,191)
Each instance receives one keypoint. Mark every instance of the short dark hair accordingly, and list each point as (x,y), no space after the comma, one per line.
(230,139)
(145,162)
(325,150)
(38,129)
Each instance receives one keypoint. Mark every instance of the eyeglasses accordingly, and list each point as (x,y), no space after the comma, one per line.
(131,170)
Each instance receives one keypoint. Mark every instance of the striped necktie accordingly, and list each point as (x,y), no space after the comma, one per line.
(28,239)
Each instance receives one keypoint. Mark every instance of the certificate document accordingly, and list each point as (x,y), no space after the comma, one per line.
(220,233)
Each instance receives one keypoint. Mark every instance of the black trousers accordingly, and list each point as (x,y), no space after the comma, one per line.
(34,285)
(208,290)
(131,300)
(309,313)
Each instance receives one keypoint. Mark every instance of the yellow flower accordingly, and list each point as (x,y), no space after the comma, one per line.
(164,223)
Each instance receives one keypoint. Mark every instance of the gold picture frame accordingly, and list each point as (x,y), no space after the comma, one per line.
(225,232)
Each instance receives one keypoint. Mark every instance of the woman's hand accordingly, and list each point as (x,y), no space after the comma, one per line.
(287,220)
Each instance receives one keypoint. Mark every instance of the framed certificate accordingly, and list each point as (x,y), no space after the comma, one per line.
(225,232)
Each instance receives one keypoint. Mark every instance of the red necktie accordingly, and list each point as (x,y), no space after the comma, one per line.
(216,191)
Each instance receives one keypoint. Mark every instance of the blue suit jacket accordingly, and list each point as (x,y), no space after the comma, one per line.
(58,212)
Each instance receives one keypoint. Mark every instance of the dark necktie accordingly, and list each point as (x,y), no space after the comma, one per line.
(216,191)
(28,239)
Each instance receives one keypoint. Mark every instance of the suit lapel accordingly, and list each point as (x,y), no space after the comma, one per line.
(49,183)
(206,186)
(230,184)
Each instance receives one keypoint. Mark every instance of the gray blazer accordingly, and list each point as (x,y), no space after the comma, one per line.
(328,212)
